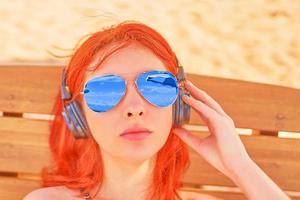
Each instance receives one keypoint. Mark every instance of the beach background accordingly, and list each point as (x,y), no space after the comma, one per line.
(255,40)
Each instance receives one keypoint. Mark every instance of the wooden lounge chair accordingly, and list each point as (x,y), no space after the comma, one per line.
(260,112)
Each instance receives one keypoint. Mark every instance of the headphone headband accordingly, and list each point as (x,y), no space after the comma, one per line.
(65,91)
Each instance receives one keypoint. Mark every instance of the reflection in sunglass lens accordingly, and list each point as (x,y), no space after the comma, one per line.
(103,93)
(160,88)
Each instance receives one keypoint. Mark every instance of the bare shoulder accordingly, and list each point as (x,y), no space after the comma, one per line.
(50,193)
(190,195)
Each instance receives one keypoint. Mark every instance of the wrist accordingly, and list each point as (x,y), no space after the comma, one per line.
(240,168)
(254,183)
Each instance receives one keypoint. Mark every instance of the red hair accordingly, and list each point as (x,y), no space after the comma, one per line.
(70,156)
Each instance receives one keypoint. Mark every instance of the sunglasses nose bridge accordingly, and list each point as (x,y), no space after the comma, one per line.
(131,86)
(134,105)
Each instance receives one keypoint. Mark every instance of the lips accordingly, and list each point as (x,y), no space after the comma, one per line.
(136,130)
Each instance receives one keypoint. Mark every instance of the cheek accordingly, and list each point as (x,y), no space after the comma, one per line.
(163,124)
(163,119)
(99,126)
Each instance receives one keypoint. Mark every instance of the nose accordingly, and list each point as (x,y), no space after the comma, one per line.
(134,111)
(133,104)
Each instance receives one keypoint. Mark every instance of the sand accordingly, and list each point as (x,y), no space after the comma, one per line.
(250,40)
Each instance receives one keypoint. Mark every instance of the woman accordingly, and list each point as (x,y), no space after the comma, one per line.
(105,162)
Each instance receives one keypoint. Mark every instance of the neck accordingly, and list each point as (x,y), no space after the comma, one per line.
(125,179)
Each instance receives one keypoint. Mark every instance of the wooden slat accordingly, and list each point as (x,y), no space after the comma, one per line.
(23,144)
(24,125)
(23,158)
(28,88)
(23,149)
(12,188)
(253,105)
(33,89)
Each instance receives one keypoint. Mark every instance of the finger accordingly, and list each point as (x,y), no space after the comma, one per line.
(208,114)
(203,146)
(188,138)
(203,96)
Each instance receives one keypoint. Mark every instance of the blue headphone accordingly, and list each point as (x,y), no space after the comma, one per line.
(76,121)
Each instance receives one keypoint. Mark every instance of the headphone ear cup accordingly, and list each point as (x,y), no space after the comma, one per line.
(77,118)
(68,121)
(81,118)
(175,111)
(186,114)
(173,114)
(178,109)
(181,110)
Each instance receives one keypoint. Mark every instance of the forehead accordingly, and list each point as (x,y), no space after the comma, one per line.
(128,61)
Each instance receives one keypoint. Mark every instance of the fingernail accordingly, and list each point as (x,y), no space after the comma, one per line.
(185,96)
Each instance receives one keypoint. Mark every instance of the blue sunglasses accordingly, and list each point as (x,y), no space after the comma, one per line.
(102,93)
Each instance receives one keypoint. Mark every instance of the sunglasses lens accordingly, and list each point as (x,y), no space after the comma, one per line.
(160,88)
(103,93)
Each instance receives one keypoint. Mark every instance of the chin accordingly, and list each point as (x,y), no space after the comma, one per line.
(139,154)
